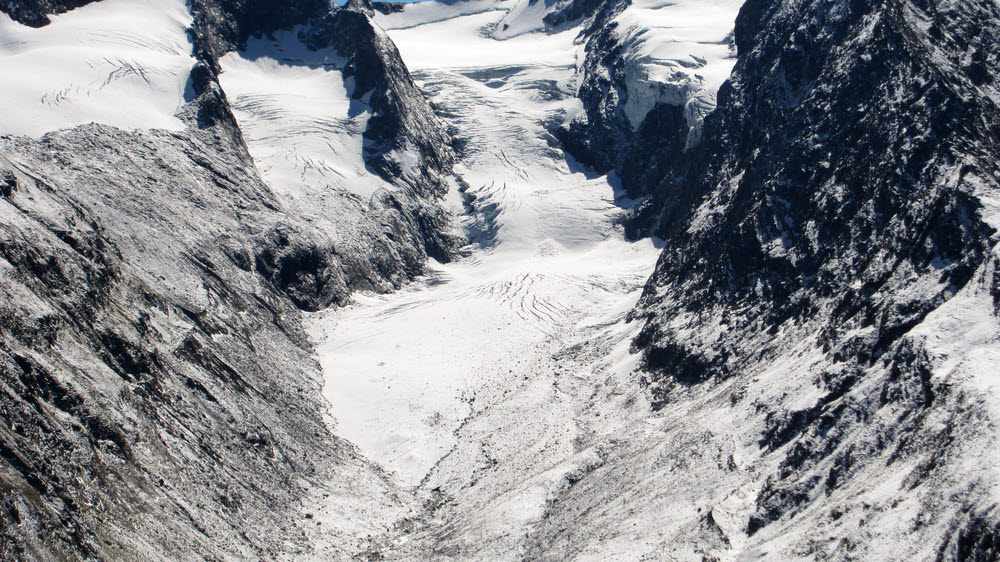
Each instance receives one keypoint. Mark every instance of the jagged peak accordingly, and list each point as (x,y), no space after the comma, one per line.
(365,7)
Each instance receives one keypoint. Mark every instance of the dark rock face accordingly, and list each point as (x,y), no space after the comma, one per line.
(300,267)
(221,26)
(978,541)
(364,7)
(641,153)
(881,170)
(8,183)
(571,13)
(602,140)
(835,196)
(36,12)
(389,7)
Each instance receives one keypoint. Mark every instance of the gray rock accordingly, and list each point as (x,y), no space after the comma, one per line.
(159,395)
(836,195)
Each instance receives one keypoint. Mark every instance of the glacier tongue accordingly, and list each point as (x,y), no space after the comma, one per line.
(405,370)
(554,258)
(476,384)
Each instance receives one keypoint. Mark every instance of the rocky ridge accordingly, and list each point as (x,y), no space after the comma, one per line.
(838,209)
(642,111)
(159,395)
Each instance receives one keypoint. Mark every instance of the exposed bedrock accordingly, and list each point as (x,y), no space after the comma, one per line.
(840,196)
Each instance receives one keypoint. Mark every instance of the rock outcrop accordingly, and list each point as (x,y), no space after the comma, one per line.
(642,112)
(36,12)
(839,208)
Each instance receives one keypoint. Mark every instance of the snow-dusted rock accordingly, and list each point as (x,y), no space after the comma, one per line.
(647,79)
(160,399)
(843,199)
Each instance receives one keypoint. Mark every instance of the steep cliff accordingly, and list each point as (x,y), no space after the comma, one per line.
(648,76)
(830,266)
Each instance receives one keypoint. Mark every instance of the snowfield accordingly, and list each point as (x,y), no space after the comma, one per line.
(123,63)
(682,52)
(404,370)
(298,119)
(466,41)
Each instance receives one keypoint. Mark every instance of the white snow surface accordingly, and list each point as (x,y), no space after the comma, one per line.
(123,63)
(422,13)
(503,379)
(681,53)
(677,52)
(466,40)
(403,370)
(524,16)
(298,119)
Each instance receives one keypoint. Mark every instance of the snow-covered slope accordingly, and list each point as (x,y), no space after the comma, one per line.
(298,119)
(674,53)
(551,259)
(404,16)
(121,62)
(646,72)
(470,43)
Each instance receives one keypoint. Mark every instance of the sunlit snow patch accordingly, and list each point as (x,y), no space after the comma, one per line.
(525,16)
(123,63)
(298,118)
(423,13)
(680,53)
(467,40)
